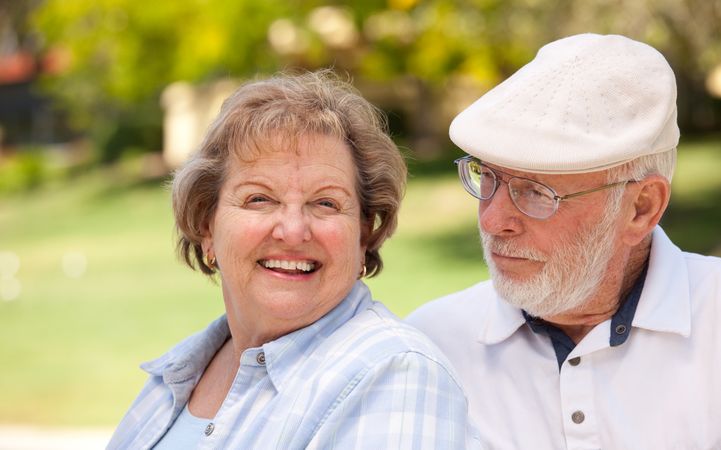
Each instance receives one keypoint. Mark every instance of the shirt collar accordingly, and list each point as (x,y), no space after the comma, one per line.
(664,304)
(183,365)
(284,355)
(620,323)
(622,319)
(499,321)
(191,355)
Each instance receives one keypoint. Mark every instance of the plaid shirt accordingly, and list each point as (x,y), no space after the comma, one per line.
(356,378)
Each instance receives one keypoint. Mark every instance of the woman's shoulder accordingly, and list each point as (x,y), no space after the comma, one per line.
(375,336)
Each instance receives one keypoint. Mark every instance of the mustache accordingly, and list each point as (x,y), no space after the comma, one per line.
(505,247)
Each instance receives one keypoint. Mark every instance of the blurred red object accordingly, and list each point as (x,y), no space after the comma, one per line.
(17,67)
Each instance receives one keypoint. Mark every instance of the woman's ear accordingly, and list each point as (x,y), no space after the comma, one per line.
(649,199)
(207,241)
(366,229)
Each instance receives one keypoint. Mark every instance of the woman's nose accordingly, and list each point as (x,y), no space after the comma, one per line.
(292,226)
(498,215)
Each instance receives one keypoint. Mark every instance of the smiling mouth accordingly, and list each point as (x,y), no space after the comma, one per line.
(290,267)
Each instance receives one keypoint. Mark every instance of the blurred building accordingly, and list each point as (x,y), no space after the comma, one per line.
(188,111)
(418,114)
(27,117)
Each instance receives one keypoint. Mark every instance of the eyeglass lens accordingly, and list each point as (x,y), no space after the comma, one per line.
(530,197)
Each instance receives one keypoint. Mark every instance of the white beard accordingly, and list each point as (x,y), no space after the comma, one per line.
(572,273)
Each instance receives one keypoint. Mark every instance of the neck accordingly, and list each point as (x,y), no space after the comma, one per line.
(605,302)
(247,333)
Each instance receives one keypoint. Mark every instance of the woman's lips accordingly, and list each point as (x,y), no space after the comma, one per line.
(302,265)
(290,266)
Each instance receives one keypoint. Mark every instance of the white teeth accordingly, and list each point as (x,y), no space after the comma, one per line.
(288,265)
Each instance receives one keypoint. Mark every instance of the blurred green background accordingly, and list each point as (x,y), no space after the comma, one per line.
(89,283)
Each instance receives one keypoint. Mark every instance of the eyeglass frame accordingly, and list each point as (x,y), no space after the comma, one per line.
(557,199)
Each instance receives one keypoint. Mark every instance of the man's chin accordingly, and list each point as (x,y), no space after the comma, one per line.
(519,293)
(531,296)
(535,300)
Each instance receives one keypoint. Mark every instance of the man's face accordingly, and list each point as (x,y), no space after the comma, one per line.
(552,266)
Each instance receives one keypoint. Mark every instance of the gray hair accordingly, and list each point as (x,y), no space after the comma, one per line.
(663,164)
(637,169)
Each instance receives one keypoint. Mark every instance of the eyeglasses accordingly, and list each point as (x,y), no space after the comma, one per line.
(530,197)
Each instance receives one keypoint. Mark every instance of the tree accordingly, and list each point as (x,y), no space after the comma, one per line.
(429,57)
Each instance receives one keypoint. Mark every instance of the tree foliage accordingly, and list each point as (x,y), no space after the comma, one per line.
(119,54)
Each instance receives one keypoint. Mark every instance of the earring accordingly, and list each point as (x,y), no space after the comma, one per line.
(210,261)
(363,272)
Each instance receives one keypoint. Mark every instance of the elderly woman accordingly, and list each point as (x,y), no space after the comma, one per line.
(289,199)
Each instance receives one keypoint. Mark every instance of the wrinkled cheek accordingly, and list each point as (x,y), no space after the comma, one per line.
(235,267)
(348,255)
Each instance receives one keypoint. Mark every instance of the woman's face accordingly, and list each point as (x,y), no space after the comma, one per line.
(287,236)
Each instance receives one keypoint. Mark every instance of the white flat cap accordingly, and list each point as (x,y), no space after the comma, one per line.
(585,103)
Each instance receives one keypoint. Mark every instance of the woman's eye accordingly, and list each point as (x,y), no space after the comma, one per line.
(326,203)
(257,199)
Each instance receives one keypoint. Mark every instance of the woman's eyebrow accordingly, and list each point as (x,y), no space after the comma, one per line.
(333,187)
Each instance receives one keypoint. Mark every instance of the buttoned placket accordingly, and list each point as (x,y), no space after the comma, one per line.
(252,370)
(578,405)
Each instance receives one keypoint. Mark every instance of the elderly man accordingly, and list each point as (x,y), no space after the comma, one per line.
(596,330)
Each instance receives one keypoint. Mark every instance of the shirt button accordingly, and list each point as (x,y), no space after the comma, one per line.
(260,358)
(578,417)
(575,361)
(620,329)
(209,429)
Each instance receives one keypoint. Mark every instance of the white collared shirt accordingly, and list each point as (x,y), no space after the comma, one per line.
(661,389)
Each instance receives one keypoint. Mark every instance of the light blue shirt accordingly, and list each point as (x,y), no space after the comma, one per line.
(355,379)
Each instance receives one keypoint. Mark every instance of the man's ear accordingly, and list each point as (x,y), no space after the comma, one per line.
(649,199)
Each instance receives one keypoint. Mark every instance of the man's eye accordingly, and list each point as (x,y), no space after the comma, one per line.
(535,193)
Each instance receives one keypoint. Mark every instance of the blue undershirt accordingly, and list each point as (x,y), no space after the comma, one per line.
(184,433)
(620,323)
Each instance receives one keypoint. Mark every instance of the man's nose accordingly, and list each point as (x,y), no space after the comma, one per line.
(498,215)
(292,225)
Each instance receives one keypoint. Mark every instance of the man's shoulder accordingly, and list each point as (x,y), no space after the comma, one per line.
(460,302)
(672,266)
(667,255)
(703,265)
(704,283)
(453,310)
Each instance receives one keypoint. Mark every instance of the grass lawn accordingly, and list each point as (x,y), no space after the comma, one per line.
(101,290)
